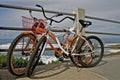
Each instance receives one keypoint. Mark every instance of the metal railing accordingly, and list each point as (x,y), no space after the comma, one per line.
(54,12)
(28,29)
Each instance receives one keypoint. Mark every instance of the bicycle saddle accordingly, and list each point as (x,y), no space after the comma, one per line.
(85,23)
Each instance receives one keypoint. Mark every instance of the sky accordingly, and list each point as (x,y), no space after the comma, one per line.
(107,9)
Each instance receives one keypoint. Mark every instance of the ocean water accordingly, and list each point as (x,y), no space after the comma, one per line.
(110,41)
(49,54)
(5,41)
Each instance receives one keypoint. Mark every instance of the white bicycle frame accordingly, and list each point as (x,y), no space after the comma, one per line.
(58,42)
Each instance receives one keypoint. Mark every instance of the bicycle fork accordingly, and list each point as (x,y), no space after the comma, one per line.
(44,45)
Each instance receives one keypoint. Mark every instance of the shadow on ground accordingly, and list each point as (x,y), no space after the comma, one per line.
(49,71)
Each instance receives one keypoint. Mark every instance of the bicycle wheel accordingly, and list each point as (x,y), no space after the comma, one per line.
(19,53)
(88,57)
(75,55)
(34,59)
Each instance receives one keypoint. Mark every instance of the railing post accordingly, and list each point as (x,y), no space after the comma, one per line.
(80,14)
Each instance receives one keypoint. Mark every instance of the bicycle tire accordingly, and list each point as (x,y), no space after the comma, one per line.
(18,51)
(74,58)
(34,59)
(95,57)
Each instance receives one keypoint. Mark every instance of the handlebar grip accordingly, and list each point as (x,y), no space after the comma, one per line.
(43,11)
(38,5)
(60,14)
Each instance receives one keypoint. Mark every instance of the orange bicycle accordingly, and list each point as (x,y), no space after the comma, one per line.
(24,44)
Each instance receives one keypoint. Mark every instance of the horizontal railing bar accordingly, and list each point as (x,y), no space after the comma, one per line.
(34,9)
(101,19)
(102,33)
(28,29)
(5,50)
(55,12)
(15,28)
(23,29)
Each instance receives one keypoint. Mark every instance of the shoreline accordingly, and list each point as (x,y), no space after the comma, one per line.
(111,54)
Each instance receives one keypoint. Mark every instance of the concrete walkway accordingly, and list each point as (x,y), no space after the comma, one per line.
(55,72)
(108,69)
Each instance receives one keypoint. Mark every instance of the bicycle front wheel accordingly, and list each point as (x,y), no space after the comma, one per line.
(19,53)
(34,59)
(75,55)
(90,57)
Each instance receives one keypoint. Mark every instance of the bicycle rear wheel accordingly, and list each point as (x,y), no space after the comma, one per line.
(34,59)
(88,57)
(19,53)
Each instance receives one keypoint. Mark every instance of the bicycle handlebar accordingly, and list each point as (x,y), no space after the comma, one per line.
(60,14)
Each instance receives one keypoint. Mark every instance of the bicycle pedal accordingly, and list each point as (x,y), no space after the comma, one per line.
(61,58)
(76,55)
(66,56)
(67,60)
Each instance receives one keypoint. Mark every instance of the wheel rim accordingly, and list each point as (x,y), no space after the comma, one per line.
(21,54)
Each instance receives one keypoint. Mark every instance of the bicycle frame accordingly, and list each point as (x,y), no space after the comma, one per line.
(75,38)
(70,42)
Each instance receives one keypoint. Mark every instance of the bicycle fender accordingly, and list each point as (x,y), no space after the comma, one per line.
(27,32)
(31,34)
